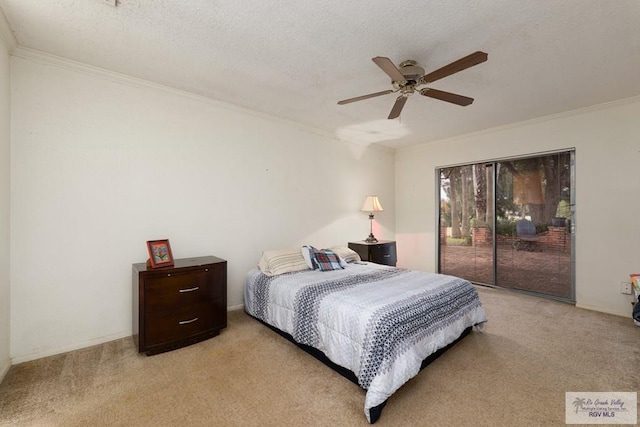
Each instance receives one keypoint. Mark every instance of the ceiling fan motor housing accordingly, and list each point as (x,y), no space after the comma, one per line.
(411,72)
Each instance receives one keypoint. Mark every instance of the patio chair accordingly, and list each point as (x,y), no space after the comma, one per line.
(526,236)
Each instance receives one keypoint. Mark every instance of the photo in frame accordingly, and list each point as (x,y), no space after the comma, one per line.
(159,253)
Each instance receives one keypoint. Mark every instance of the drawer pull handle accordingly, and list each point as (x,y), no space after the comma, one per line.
(185,322)
(386,256)
(189,289)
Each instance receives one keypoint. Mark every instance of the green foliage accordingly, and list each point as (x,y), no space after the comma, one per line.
(464,241)
(506,227)
(475,222)
(563,210)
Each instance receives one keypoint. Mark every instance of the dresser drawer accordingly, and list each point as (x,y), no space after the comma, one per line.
(383,254)
(181,324)
(179,290)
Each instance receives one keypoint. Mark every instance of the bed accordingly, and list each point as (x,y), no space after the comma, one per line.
(376,325)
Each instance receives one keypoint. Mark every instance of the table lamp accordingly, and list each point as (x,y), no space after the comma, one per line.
(371,205)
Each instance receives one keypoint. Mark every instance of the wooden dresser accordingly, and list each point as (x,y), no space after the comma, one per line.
(380,252)
(180,305)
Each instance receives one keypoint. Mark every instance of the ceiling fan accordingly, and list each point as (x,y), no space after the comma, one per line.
(410,78)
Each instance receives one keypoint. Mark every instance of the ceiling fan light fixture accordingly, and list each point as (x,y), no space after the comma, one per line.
(408,90)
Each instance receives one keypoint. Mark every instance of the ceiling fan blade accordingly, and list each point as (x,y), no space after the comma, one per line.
(388,67)
(459,65)
(360,98)
(446,96)
(397,107)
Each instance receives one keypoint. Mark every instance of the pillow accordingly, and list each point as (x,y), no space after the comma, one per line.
(305,250)
(282,261)
(308,253)
(349,255)
(325,260)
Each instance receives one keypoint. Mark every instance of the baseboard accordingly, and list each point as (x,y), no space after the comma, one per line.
(604,310)
(4,369)
(52,352)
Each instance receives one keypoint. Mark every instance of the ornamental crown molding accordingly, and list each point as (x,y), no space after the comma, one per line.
(6,33)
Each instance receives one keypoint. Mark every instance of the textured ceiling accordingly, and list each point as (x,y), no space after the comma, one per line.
(296,59)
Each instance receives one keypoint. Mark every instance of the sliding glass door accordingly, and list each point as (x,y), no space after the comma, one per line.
(466,209)
(508,223)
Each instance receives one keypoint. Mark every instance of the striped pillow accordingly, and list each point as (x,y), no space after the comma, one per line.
(349,255)
(282,261)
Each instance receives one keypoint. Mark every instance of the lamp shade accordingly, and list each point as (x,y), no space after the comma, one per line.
(372,204)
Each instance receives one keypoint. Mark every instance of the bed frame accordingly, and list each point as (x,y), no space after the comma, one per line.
(376,411)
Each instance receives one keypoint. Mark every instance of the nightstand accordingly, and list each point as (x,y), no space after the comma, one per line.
(380,252)
(180,305)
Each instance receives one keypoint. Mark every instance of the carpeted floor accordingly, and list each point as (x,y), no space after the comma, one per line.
(515,373)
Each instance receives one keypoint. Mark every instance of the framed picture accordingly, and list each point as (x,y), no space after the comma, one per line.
(159,253)
(635,281)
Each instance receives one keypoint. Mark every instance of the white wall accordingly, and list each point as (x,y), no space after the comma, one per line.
(5,116)
(607,143)
(102,163)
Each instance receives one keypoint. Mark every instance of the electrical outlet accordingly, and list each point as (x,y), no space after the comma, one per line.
(625,288)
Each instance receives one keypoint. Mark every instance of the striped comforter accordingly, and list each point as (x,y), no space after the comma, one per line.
(379,322)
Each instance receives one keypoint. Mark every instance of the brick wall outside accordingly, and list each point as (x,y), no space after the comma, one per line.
(555,239)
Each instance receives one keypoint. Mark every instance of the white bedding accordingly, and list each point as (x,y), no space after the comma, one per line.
(380,322)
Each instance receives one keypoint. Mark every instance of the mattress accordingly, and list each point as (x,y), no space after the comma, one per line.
(378,322)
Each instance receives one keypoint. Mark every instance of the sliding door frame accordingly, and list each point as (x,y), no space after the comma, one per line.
(572,224)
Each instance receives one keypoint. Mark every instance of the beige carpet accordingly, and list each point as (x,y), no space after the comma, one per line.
(513,374)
